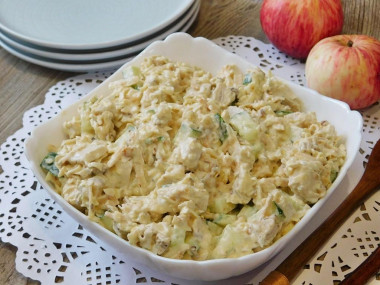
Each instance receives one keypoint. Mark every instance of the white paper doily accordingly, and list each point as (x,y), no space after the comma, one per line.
(54,249)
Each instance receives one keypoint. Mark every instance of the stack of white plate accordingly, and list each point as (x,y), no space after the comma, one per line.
(89,35)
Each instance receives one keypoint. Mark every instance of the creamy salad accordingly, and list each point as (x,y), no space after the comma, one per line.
(194,166)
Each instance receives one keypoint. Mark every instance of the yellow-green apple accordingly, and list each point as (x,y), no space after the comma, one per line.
(295,26)
(347,68)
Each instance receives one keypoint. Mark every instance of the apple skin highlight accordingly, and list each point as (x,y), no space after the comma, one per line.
(347,68)
(294,27)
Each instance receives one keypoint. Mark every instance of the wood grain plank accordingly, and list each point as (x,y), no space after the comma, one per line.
(23,86)
(362,17)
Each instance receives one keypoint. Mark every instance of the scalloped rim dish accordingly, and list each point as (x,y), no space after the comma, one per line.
(207,55)
(181,24)
(83,67)
(16,26)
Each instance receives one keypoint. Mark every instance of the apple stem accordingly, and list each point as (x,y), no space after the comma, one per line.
(350,43)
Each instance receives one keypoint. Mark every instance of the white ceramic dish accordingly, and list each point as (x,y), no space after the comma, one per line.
(88,55)
(82,67)
(207,55)
(65,66)
(87,24)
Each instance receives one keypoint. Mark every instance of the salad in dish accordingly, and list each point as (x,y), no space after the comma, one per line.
(190,165)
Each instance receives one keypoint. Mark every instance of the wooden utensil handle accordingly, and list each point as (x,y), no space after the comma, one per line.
(365,270)
(275,278)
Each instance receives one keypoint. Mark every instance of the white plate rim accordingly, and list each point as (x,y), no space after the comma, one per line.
(71,67)
(125,52)
(108,44)
(210,269)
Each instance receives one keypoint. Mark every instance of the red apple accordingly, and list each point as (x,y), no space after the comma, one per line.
(295,26)
(347,68)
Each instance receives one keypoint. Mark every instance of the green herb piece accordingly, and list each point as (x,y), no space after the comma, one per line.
(279,211)
(48,163)
(135,86)
(223,133)
(195,133)
(247,79)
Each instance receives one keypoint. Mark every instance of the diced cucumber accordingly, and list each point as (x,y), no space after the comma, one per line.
(214,228)
(85,124)
(186,131)
(178,236)
(247,79)
(219,204)
(48,164)
(106,222)
(224,219)
(333,175)
(247,211)
(194,245)
(131,70)
(244,125)
(282,113)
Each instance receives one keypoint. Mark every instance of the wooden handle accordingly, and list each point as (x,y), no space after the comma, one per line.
(275,278)
(365,270)
(367,184)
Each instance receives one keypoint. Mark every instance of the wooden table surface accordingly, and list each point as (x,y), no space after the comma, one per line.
(23,85)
